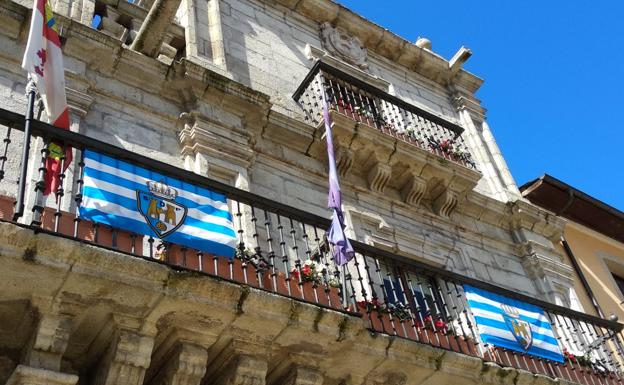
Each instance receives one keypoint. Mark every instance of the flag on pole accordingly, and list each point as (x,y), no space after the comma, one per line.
(129,197)
(512,324)
(343,251)
(43,60)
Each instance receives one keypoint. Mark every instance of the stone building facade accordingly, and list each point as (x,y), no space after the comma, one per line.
(207,86)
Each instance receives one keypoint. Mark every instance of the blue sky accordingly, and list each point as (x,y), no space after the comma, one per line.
(554,79)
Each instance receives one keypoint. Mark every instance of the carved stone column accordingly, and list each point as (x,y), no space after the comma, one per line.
(26,375)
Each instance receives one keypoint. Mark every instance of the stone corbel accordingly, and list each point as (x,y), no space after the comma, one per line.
(288,373)
(414,189)
(445,203)
(79,102)
(49,342)
(242,369)
(344,160)
(378,177)
(184,365)
(51,335)
(126,360)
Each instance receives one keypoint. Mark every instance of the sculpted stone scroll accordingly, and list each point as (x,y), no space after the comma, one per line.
(340,43)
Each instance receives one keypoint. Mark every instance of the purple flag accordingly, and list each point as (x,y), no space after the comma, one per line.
(343,251)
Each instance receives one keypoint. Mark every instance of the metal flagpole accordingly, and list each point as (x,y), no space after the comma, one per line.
(31,92)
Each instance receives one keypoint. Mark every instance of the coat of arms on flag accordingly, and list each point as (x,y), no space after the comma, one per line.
(512,324)
(159,208)
(129,197)
(520,328)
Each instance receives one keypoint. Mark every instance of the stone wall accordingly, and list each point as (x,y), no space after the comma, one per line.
(235,120)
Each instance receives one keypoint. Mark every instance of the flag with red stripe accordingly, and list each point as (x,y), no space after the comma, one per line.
(43,60)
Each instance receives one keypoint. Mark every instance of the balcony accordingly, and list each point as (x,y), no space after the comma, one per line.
(281,251)
(389,143)
(367,105)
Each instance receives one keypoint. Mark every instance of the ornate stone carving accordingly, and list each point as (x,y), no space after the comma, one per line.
(414,189)
(50,342)
(185,366)
(340,43)
(244,370)
(126,360)
(344,160)
(379,176)
(445,203)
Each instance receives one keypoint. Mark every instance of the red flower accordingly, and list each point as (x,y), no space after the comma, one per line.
(306,270)
(294,272)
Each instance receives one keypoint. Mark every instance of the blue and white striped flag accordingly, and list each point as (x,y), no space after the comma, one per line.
(132,198)
(512,324)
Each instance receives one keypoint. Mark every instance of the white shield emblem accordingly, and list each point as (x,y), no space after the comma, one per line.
(520,329)
(161,212)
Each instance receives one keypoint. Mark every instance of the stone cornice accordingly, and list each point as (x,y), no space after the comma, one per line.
(527,216)
(383,42)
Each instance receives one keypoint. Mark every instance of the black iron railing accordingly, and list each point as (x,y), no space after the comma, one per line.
(369,105)
(284,250)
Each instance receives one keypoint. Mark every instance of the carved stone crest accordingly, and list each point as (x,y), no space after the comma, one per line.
(341,44)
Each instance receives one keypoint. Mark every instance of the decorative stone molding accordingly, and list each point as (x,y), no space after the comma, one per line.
(413,190)
(463,101)
(378,177)
(79,102)
(339,42)
(26,375)
(379,40)
(202,135)
(542,262)
(315,53)
(528,217)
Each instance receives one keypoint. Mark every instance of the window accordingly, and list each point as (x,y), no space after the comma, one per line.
(620,283)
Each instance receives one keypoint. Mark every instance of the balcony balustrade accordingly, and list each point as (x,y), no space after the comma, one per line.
(284,251)
(368,105)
